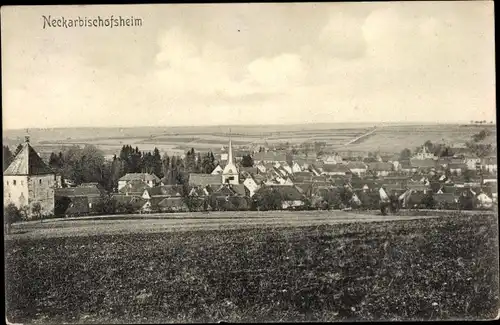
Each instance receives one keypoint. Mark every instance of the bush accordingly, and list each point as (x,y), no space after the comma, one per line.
(11,214)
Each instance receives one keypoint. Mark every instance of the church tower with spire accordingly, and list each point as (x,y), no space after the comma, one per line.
(230,172)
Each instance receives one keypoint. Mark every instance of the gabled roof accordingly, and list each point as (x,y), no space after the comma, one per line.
(136,186)
(356,165)
(337,168)
(171,202)
(27,162)
(249,170)
(457,166)
(288,193)
(165,190)
(145,177)
(423,163)
(380,166)
(81,190)
(418,187)
(204,179)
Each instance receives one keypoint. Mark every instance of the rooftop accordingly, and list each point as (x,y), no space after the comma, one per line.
(28,162)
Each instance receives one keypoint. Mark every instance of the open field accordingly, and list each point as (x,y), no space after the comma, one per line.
(169,222)
(397,138)
(386,138)
(439,268)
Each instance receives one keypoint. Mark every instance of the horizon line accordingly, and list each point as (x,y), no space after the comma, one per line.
(245,125)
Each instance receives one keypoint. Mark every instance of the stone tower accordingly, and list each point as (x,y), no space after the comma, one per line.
(28,180)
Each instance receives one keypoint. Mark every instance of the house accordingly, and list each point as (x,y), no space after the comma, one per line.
(296,168)
(302,176)
(149,179)
(128,203)
(457,168)
(472,161)
(380,168)
(291,197)
(423,154)
(260,166)
(172,204)
(489,164)
(412,200)
(251,185)
(92,192)
(357,167)
(483,201)
(315,170)
(134,188)
(417,187)
(406,167)
(423,164)
(162,191)
(204,179)
(231,190)
(337,169)
(28,181)
(285,166)
(306,188)
(78,206)
(333,159)
(217,170)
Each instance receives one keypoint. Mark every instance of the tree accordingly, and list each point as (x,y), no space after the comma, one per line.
(468,175)
(267,199)
(207,164)
(405,154)
(428,201)
(429,146)
(18,149)
(36,209)
(11,214)
(7,157)
(247,161)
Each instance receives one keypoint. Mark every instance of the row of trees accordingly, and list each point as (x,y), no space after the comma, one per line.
(87,164)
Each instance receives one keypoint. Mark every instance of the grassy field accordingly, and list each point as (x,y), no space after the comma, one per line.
(405,270)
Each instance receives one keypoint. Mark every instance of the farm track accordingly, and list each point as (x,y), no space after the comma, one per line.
(129,225)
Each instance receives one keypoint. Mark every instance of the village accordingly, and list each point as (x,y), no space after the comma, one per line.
(264,179)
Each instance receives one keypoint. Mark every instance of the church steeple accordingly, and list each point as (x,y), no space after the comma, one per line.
(230,154)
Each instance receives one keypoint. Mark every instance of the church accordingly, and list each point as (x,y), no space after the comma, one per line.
(230,172)
(28,180)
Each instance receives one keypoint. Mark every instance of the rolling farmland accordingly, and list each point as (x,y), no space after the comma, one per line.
(385,138)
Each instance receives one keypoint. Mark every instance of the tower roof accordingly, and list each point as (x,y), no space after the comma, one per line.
(28,162)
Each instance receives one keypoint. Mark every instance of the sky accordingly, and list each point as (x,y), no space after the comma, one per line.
(223,64)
